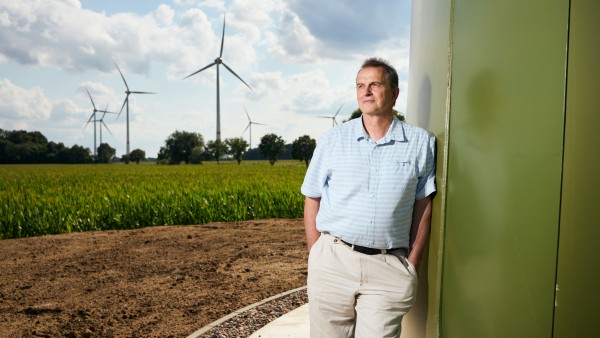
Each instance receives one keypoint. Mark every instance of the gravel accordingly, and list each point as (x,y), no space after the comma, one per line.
(247,322)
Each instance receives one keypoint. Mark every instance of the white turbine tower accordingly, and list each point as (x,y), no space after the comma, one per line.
(249,126)
(333,117)
(126,103)
(218,61)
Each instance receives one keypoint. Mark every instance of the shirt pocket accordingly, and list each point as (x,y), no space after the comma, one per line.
(399,176)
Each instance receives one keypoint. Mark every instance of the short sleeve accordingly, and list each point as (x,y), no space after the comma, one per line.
(316,175)
(426,183)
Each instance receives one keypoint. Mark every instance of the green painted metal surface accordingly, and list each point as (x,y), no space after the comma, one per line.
(578,277)
(504,168)
(427,107)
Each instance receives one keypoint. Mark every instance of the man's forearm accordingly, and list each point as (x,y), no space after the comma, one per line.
(420,229)
(311,208)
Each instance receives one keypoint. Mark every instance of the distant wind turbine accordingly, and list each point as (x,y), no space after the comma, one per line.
(101,121)
(126,103)
(334,116)
(249,126)
(94,119)
(218,61)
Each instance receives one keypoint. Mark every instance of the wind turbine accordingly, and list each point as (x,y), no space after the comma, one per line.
(249,126)
(101,120)
(126,103)
(218,61)
(333,117)
(94,119)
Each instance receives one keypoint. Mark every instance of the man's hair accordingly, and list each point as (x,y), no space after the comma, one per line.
(391,75)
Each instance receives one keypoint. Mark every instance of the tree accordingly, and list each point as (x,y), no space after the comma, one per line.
(76,154)
(20,146)
(105,153)
(137,155)
(198,155)
(271,146)
(179,145)
(216,149)
(162,156)
(303,148)
(237,147)
(53,150)
(358,113)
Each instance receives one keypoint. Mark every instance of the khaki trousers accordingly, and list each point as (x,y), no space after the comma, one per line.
(351,294)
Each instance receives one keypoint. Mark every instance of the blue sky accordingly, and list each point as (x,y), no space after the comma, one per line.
(299,56)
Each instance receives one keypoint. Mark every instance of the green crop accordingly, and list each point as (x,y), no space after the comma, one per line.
(50,199)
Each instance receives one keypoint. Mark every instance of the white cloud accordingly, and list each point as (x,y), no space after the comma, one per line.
(21,103)
(300,57)
(66,112)
(69,37)
(295,41)
(164,15)
(338,25)
(266,85)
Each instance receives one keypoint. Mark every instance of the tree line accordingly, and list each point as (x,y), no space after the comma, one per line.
(20,146)
(190,148)
(28,147)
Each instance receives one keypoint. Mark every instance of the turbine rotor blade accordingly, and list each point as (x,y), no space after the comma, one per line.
(248,126)
(338,111)
(142,93)
(201,69)
(222,38)
(247,115)
(260,124)
(89,120)
(92,116)
(123,106)
(123,77)
(88,92)
(232,72)
(105,111)
(105,126)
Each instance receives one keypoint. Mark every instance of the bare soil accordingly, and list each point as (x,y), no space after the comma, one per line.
(166,281)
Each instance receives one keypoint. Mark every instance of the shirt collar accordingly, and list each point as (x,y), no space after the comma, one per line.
(395,133)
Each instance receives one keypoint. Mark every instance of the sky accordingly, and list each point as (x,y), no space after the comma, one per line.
(300,58)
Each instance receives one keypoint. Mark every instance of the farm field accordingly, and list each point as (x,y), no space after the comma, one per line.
(106,266)
(53,199)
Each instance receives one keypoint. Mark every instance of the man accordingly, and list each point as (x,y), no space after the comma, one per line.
(367,214)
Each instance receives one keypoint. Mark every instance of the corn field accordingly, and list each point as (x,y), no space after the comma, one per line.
(51,199)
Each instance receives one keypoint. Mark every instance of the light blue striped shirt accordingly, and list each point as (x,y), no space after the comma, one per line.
(368,188)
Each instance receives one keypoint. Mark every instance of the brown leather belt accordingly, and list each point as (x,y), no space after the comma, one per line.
(371,251)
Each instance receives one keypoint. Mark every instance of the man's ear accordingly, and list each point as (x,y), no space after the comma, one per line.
(396,92)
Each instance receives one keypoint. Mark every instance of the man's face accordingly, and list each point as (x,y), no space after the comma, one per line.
(374,95)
